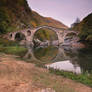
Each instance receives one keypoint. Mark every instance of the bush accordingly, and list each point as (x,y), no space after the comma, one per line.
(3,21)
(89,37)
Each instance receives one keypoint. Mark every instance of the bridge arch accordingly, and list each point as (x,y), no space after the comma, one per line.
(28,33)
(10,35)
(70,35)
(50,29)
(19,36)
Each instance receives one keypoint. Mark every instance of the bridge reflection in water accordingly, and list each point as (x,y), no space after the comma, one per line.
(63,58)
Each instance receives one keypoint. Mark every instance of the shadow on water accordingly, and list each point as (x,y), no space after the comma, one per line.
(63,58)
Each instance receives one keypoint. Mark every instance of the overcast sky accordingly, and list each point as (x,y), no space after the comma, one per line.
(65,11)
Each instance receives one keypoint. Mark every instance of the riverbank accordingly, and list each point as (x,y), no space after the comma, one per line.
(19,76)
(85,78)
(11,47)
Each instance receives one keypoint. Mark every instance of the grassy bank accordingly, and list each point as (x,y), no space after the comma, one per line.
(82,78)
(10,47)
(17,74)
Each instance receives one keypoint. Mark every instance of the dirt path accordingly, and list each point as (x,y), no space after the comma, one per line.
(19,76)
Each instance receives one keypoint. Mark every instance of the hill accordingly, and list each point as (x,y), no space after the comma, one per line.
(16,15)
(85,28)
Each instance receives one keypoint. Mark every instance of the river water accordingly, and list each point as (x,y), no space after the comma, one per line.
(63,58)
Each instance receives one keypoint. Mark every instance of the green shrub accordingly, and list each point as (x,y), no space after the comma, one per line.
(89,37)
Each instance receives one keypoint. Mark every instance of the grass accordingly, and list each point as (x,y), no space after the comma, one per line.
(23,72)
(5,43)
(50,80)
(82,78)
(15,50)
(10,47)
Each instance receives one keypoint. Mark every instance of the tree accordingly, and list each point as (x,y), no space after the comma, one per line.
(3,27)
(77,21)
(3,21)
(74,26)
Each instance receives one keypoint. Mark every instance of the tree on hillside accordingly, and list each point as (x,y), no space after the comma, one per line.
(75,26)
(3,21)
(77,21)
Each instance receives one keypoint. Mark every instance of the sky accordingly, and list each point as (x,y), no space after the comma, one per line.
(65,11)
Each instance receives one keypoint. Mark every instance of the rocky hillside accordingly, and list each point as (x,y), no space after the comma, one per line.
(16,15)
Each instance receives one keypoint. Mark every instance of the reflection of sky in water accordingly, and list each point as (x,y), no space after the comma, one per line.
(66,66)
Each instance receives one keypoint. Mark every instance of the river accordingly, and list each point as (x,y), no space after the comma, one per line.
(62,58)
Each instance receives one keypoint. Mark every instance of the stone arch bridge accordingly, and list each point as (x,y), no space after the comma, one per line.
(29,33)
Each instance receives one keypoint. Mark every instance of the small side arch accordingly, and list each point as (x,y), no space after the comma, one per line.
(10,36)
(70,36)
(20,36)
(28,32)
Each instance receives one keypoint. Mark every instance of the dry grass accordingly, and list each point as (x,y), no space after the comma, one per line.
(18,76)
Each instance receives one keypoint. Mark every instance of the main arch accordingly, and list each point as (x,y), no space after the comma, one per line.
(46,36)
(57,31)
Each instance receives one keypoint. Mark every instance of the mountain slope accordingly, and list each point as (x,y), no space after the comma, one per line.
(47,21)
(16,15)
(85,28)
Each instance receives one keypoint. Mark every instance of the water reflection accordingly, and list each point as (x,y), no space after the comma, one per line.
(63,58)
(46,54)
(66,66)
